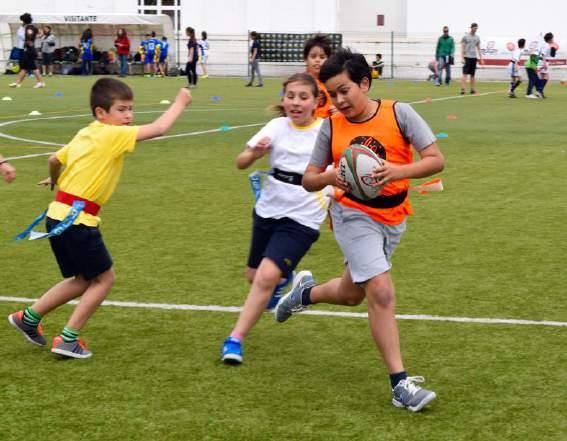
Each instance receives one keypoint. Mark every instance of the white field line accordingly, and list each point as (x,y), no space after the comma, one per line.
(234,309)
(221,129)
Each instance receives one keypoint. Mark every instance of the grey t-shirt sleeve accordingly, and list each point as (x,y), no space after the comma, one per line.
(413,126)
(322,156)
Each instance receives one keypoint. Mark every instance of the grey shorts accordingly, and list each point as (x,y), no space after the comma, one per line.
(366,244)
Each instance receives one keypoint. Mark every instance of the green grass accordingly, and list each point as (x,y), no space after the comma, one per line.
(491,245)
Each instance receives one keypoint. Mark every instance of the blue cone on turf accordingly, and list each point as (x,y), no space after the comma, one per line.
(58,93)
(225,128)
(442,135)
(216,98)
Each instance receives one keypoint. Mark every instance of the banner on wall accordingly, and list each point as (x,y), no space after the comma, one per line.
(498,51)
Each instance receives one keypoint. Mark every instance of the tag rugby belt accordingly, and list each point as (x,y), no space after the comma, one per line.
(385,201)
(68,199)
(287,177)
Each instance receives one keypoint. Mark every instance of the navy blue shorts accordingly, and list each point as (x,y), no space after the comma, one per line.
(79,251)
(284,241)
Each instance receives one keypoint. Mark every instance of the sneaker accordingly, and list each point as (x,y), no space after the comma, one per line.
(462,91)
(231,352)
(34,334)
(279,292)
(39,85)
(248,85)
(259,85)
(532,96)
(407,394)
(291,302)
(473,92)
(14,85)
(540,94)
(75,349)
(511,95)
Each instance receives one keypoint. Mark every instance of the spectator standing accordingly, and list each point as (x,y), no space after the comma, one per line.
(86,47)
(470,47)
(192,57)
(122,44)
(47,49)
(444,54)
(204,54)
(254,60)
(26,38)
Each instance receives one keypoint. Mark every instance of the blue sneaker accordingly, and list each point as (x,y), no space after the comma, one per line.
(231,352)
(407,394)
(291,302)
(279,292)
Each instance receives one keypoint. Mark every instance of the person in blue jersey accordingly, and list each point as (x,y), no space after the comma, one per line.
(163,53)
(86,48)
(149,59)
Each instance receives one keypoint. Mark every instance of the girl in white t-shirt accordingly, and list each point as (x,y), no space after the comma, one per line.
(286,217)
(204,54)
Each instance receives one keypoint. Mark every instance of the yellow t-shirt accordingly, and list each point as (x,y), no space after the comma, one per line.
(93,163)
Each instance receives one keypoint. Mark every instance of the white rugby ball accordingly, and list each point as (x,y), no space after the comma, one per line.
(355,167)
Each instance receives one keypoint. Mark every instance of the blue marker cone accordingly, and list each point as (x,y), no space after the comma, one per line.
(442,135)
(225,128)
(216,98)
(58,93)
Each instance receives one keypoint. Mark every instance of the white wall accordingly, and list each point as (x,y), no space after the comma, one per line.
(239,16)
(361,15)
(520,18)
(69,6)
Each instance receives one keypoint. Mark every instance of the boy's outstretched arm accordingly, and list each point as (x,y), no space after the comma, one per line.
(161,125)
(54,172)
(8,172)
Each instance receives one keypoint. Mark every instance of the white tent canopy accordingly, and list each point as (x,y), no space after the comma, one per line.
(67,29)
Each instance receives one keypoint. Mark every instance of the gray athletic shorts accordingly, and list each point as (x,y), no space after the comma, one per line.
(366,244)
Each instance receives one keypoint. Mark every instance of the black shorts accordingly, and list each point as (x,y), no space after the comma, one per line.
(79,251)
(469,67)
(27,61)
(46,59)
(284,241)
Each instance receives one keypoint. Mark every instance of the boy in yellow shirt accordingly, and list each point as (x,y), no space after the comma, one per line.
(92,164)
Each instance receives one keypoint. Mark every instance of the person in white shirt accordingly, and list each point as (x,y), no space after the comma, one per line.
(204,54)
(286,218)
(514,67)
(546,52)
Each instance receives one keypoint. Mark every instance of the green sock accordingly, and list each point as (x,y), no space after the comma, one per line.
(69,335)
(31,317)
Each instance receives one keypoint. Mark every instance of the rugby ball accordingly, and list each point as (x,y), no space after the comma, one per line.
(355,167)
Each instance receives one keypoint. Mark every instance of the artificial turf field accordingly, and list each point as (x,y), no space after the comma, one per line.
(491,245)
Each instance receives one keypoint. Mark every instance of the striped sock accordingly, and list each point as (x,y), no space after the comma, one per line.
(31,317)
(69,335)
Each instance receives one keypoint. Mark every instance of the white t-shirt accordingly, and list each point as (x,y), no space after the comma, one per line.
(21,37)
(291,148)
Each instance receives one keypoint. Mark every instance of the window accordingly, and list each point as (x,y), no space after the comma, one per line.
(168,2)
(150,2)
(380,20)
(150,12)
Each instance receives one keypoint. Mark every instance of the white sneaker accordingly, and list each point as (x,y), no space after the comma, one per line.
(39,85)
(533,97)
(14,85)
